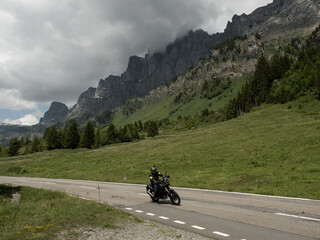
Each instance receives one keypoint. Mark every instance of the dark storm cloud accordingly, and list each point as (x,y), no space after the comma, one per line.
(54,50)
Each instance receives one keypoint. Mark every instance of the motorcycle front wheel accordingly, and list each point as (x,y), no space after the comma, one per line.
(174,197)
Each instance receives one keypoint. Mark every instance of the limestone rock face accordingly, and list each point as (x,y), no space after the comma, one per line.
(278,17)
(143,74)
(56,113)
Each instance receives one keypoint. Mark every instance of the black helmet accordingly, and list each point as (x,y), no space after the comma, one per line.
(154,169)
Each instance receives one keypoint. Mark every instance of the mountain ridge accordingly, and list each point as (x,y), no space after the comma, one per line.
(144,74)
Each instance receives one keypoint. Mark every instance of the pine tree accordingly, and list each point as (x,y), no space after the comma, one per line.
(52,138)
(97,140)
(35,147)
(72,136)
(88,138)
(262,81)
(28,141)
(62,134)
(152,128)
(112,134)
(14,147)
(134,132)
(205,112)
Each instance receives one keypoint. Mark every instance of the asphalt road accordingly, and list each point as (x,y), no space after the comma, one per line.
(217,214)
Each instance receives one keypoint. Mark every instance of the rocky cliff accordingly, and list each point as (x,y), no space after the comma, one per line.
(146,73)
(279,17)
(56,113)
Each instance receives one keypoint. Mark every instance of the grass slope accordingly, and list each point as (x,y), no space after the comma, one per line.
(165,108)
(273,150)
(43,214)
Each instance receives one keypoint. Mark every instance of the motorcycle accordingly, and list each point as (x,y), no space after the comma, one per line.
(164,191)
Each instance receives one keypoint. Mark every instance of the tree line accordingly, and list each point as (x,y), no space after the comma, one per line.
(70,137)
(282,79)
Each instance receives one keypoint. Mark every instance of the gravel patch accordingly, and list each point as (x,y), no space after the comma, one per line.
(139,231)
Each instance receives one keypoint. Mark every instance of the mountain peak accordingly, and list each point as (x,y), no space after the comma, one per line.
(56,113)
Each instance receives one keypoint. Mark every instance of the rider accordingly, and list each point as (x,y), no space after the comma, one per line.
(154,179)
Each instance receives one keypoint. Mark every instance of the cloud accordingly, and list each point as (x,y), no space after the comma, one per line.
(27,120)
(53,51)
(11,99)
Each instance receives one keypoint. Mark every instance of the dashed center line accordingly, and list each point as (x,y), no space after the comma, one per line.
(143,194)
(198,227)
(182,223)
(87,187)
(295,216)
(49,182)
(221,234)
(179,222)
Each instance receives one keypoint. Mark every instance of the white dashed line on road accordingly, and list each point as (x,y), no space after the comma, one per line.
(130,209)
(221,234)
(138,211)
(143,194)
(198,227)
(179,222)
(49,182)
(295,216)
(150,214)
(165,218)
(87,187)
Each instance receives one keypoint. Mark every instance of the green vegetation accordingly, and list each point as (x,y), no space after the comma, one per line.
(72,136)
(43,214)
(272,150)
(88,136)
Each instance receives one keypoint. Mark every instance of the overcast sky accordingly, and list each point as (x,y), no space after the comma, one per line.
(54,50)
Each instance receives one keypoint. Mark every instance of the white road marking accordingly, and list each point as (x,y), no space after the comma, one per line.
(198,227)
(177,221)
(247,194)
(295,216)
(150,214)
(87,187)
(191,189)
(130,209)
(221,234)
(143,194)
(49,182)
(138,211)
(165,218)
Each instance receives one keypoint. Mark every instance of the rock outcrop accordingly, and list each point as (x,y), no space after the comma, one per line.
(56,113)
(279,17)
(146,73)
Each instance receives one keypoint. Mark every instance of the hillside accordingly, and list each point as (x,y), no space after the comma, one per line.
(280,19)
(272,150)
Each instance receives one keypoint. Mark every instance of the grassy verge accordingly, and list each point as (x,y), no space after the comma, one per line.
(41,214)
(273,150)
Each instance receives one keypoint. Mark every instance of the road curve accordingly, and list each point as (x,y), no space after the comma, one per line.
(217,214)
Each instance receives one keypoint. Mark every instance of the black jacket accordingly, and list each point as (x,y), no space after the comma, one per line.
(155,177)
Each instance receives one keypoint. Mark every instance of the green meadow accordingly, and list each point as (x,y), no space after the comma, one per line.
(43,215)
(273,150)
(167,109)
